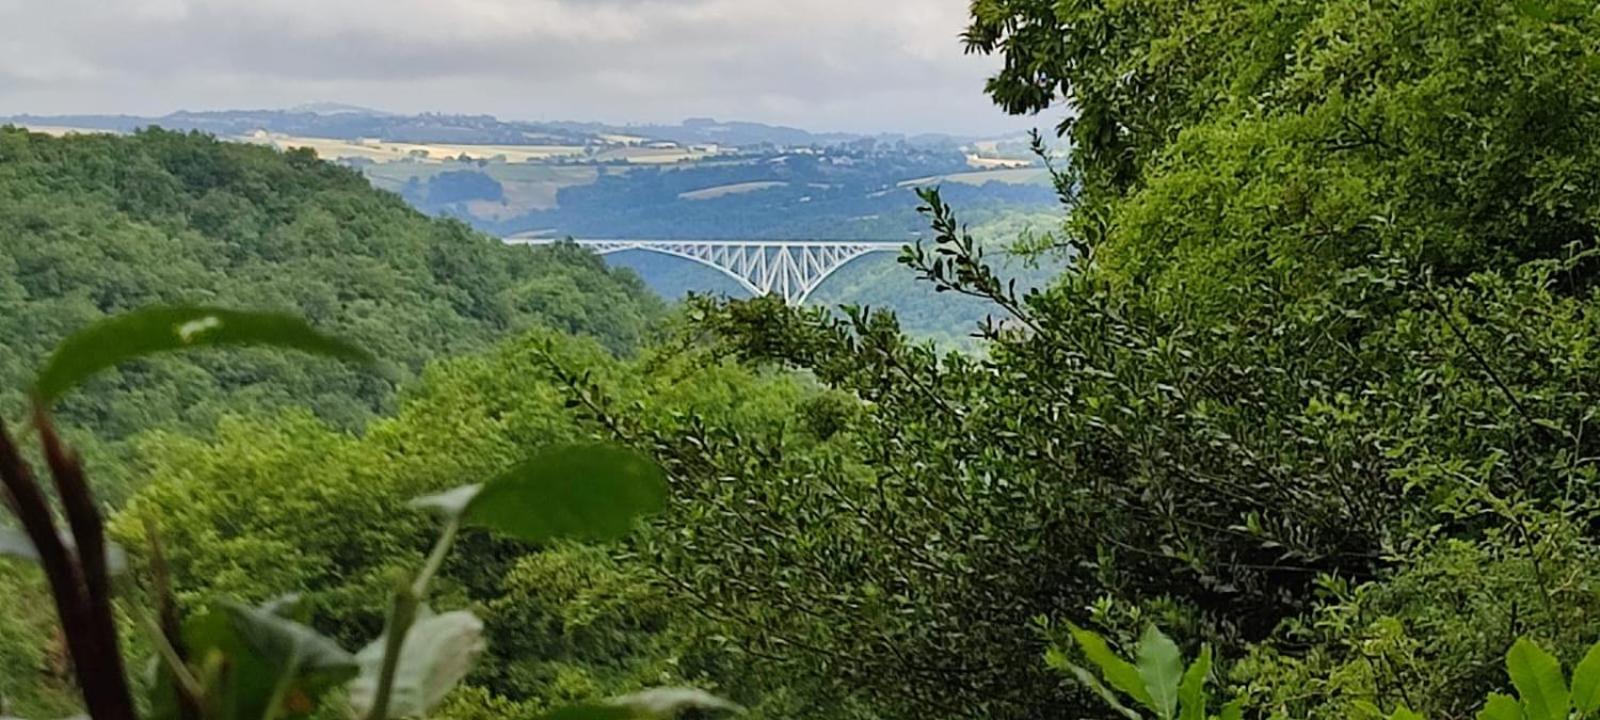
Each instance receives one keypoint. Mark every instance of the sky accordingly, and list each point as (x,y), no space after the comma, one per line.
(826,65)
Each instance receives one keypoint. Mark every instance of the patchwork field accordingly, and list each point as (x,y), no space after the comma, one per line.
(990,163)
(384,151)
(733,189)
(1011,176)
(63,130)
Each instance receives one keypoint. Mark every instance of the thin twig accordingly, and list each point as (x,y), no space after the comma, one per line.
(403,614)
(169,630)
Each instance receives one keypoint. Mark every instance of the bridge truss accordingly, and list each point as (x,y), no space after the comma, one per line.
(791,269)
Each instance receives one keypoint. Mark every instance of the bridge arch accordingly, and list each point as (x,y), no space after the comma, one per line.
(791,269)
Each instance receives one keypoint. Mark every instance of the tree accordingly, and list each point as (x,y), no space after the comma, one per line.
(1299,342)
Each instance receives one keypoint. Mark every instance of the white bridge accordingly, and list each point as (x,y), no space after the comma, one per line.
(791,269)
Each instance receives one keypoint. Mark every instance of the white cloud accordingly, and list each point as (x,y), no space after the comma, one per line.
(828,64)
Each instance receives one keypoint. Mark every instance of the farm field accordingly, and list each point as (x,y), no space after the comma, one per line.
(732,189)
(1009,176)
(385,151)
(63,130)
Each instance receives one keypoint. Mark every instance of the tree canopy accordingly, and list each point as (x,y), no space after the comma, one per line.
(99,224)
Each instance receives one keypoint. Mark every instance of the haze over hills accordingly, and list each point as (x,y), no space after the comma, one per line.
(700,179)
(345,121)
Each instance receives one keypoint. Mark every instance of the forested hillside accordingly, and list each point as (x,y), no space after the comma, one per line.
(96,224)
(1311,405)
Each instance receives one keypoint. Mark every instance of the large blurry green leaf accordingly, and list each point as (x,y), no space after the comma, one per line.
(1404,713)
(437,653)
(273,665)
(1161,669)
(591,711)
(1500,707)
(294,647)
(1088,680)
(1119,673)
(584,491)
(450,503)
(17,544)
(669,701)
(167,328)
(1537,677)
(652,704)
(1192,691)
(1586,682)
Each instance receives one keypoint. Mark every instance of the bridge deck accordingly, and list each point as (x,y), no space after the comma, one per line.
(790,268)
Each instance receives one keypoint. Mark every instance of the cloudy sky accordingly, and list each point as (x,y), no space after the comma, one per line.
(853,65)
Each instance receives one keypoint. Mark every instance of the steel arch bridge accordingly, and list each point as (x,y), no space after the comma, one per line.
(791,269)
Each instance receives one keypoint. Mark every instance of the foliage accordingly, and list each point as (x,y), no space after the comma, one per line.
(98,225)
(949,319)
(1331,313)
(1428,633)
(236,661)
(1542,688)
(287,502)
(1158,680)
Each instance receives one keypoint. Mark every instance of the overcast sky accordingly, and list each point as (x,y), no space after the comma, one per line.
(853,65)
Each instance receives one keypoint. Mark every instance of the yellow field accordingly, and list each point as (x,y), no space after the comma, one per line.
(380,151)
(734,189)
(625,139)
(650,156)
(1015,176)
(990,163)
(62,130)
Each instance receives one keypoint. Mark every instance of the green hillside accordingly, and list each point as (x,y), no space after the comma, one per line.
(94,225)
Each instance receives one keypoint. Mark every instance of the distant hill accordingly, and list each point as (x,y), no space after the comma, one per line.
(98,224)
(352,122)
(324,121)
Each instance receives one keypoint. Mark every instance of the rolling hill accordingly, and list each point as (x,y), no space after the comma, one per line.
(97,224)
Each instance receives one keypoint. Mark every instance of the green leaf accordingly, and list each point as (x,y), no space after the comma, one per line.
(1586,682)
(167,328)
(1192,692)
(272,666)
(297,649)
(1119,673)
(1088,680)
(1551,11)
(1537,10)
(1232,711)
(1404,713)
(450,503)
(588,491)
(1161,669)
(1537,677)
(668,702)
(437,653)
(1500,707)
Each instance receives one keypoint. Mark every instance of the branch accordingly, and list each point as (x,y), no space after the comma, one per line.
(28,503)
(90,534)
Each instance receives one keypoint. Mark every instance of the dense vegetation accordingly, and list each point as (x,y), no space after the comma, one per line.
(1314,397)
(94,225)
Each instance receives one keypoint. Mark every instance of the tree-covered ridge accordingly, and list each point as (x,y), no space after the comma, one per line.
(1315,398)
(98,224)
(272,504)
